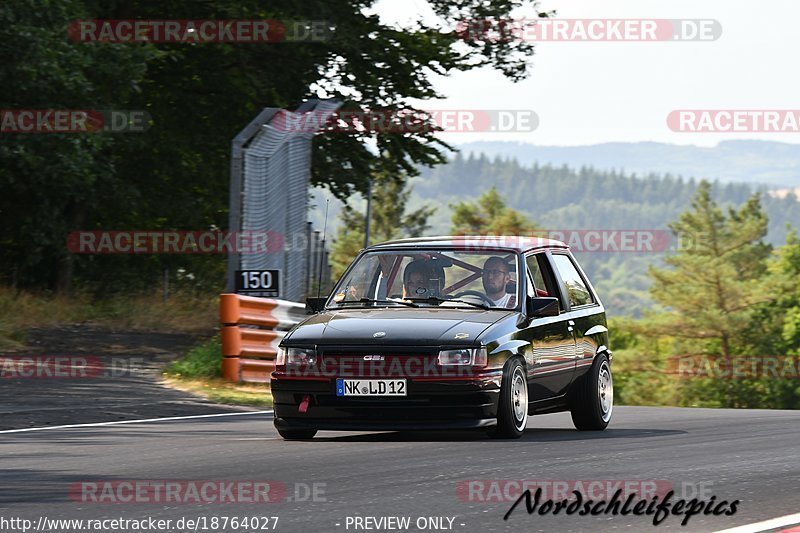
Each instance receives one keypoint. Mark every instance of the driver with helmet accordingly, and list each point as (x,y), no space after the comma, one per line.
(417,278)
(495,278)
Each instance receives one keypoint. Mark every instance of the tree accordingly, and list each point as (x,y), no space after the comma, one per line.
(776,328)
(50,184)
(715,283)
(389,221)
(489,215)
(200,95)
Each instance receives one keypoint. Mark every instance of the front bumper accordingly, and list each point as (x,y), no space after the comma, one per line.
(451,404)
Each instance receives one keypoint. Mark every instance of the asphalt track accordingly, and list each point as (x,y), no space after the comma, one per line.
(752,456)
(128,390)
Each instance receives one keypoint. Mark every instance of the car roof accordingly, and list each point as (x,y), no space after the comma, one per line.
(517,243)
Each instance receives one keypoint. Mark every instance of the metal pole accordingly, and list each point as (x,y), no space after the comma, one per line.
(327,271)
(369,214)
(235,209)
(309,272)
(315,255)
(324,252)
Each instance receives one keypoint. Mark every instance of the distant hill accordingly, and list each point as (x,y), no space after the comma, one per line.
(773,164)
(562,197)
(568,198)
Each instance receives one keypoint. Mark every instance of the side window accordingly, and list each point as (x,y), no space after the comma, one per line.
(360,283)
(535,270)
(576,289)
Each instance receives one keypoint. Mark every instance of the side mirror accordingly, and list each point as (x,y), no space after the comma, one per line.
(542,307)
(315,305)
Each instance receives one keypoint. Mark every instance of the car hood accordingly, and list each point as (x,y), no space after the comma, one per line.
(392,327)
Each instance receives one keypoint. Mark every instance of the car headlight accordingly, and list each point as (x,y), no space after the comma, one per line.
(463,356)
(295,356)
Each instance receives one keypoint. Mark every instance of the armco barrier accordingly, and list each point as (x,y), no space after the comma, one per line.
(252,328)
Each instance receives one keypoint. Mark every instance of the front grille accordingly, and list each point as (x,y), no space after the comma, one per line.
(379,365)
(340,351)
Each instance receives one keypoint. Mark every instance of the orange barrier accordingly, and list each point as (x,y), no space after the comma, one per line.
(259,343)
(252,328)
(253,371)
(235,309)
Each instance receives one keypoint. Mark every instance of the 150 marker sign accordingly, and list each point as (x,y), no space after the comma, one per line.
(258,282)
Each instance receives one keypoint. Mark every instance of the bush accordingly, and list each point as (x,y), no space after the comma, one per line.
(203,361)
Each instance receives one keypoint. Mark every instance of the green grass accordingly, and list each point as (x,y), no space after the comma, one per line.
(21,310)
(200,372)
(229,393)
(219,391)
(203,361)
(182,312)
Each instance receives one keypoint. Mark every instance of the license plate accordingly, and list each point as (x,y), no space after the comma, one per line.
(370,387)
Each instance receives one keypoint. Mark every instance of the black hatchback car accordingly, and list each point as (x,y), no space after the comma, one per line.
(448,332)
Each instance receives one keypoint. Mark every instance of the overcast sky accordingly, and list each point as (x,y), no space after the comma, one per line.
(593,92)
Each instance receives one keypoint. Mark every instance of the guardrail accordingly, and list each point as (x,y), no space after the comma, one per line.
(252,328)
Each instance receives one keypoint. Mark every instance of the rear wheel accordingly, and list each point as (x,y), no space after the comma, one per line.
(593,397)
(296,433)
(512,411)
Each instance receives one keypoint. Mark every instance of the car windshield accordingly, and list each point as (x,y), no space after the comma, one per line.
(430,277)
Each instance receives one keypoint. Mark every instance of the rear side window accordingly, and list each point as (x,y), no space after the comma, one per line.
(576,289)
(535,269)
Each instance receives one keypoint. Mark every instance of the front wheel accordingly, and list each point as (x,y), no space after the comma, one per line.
(593,398)
(296,433)
(512,411)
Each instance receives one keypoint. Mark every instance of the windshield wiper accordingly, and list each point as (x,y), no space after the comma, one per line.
(371,301)
(433,299)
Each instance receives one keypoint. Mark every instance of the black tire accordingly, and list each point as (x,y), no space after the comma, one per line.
(593,397)
(512,408)
(296,433)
